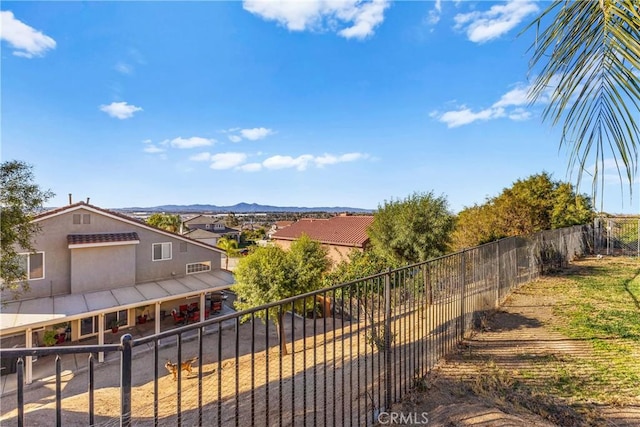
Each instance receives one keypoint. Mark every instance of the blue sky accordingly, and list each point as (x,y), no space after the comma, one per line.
(310,103)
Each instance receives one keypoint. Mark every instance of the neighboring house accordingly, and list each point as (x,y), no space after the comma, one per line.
(214,225)
(93,267)
(340,234)
(204,236)
(278,225)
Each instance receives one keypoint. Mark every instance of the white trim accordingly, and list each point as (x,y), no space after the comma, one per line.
(95,245)
(131,221)
(94,318)
(162,254)
(29,266)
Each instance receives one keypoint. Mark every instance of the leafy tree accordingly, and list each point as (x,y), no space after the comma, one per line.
(165,221)
(412,230)
(230,246)
(20,200)
(270,274)
(528,206)
(231,220)
(311,262)
(590,56)
(256,234)
(570,208)
(475,225)
(358,264)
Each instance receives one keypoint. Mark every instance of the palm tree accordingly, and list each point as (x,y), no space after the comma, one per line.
(590,56)
(230,246)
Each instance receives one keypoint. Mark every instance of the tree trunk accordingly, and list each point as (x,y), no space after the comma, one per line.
(281,335)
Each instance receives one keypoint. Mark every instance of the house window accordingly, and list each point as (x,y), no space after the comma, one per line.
(183,247)
(218,227)
(120,318)
(33,265)
(197,267)
(89,326)
(161,251)
(81,219)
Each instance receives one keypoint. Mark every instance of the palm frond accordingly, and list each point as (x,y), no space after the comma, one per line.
(589,54)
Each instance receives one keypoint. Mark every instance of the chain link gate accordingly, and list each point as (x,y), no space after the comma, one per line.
(617,236)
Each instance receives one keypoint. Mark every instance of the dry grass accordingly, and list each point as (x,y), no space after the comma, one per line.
(564,350)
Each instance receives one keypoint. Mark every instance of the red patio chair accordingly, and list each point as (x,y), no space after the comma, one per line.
(178,318)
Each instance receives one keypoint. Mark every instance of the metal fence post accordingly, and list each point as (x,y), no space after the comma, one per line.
(497,274)
(125,380)
(20,388)
(387,340)
(462,291)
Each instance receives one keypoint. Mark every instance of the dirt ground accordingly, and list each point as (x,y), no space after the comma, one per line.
(484,383)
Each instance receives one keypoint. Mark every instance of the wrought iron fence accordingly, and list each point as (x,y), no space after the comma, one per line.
(351,351)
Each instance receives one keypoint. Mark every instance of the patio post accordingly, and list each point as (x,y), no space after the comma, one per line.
(203,307)
(101,336)
(157,318)
(28,335)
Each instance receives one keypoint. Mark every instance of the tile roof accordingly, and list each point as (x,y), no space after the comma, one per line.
(282,224)
(339,230)
(83,239)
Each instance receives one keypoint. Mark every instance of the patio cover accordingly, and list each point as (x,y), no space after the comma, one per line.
(19,315)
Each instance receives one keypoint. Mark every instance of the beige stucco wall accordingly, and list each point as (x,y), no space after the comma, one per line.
(334,252)
(92,267)
(52,240)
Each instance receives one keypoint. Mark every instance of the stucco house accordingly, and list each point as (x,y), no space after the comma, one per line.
(93,267)
(204,236)
(213,225)
(340,234)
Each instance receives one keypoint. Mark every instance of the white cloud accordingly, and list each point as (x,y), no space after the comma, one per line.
(434,14)
(123,68)
(255,133)
(250,167)
(515,97)
(303,162)
(230,160)
(193,142)
(493,23)
(201,157)
(329,159)
(519,114)
(284,162)
(27,41)
(354,18)
(120,110)
(151,148)
(252,134)
(465,116)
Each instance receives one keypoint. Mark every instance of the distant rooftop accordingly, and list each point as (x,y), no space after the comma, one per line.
(344,230)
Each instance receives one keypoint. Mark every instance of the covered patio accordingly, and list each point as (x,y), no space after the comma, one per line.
(100,317)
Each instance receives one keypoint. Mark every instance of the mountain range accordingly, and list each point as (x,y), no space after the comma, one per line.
(242,208)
